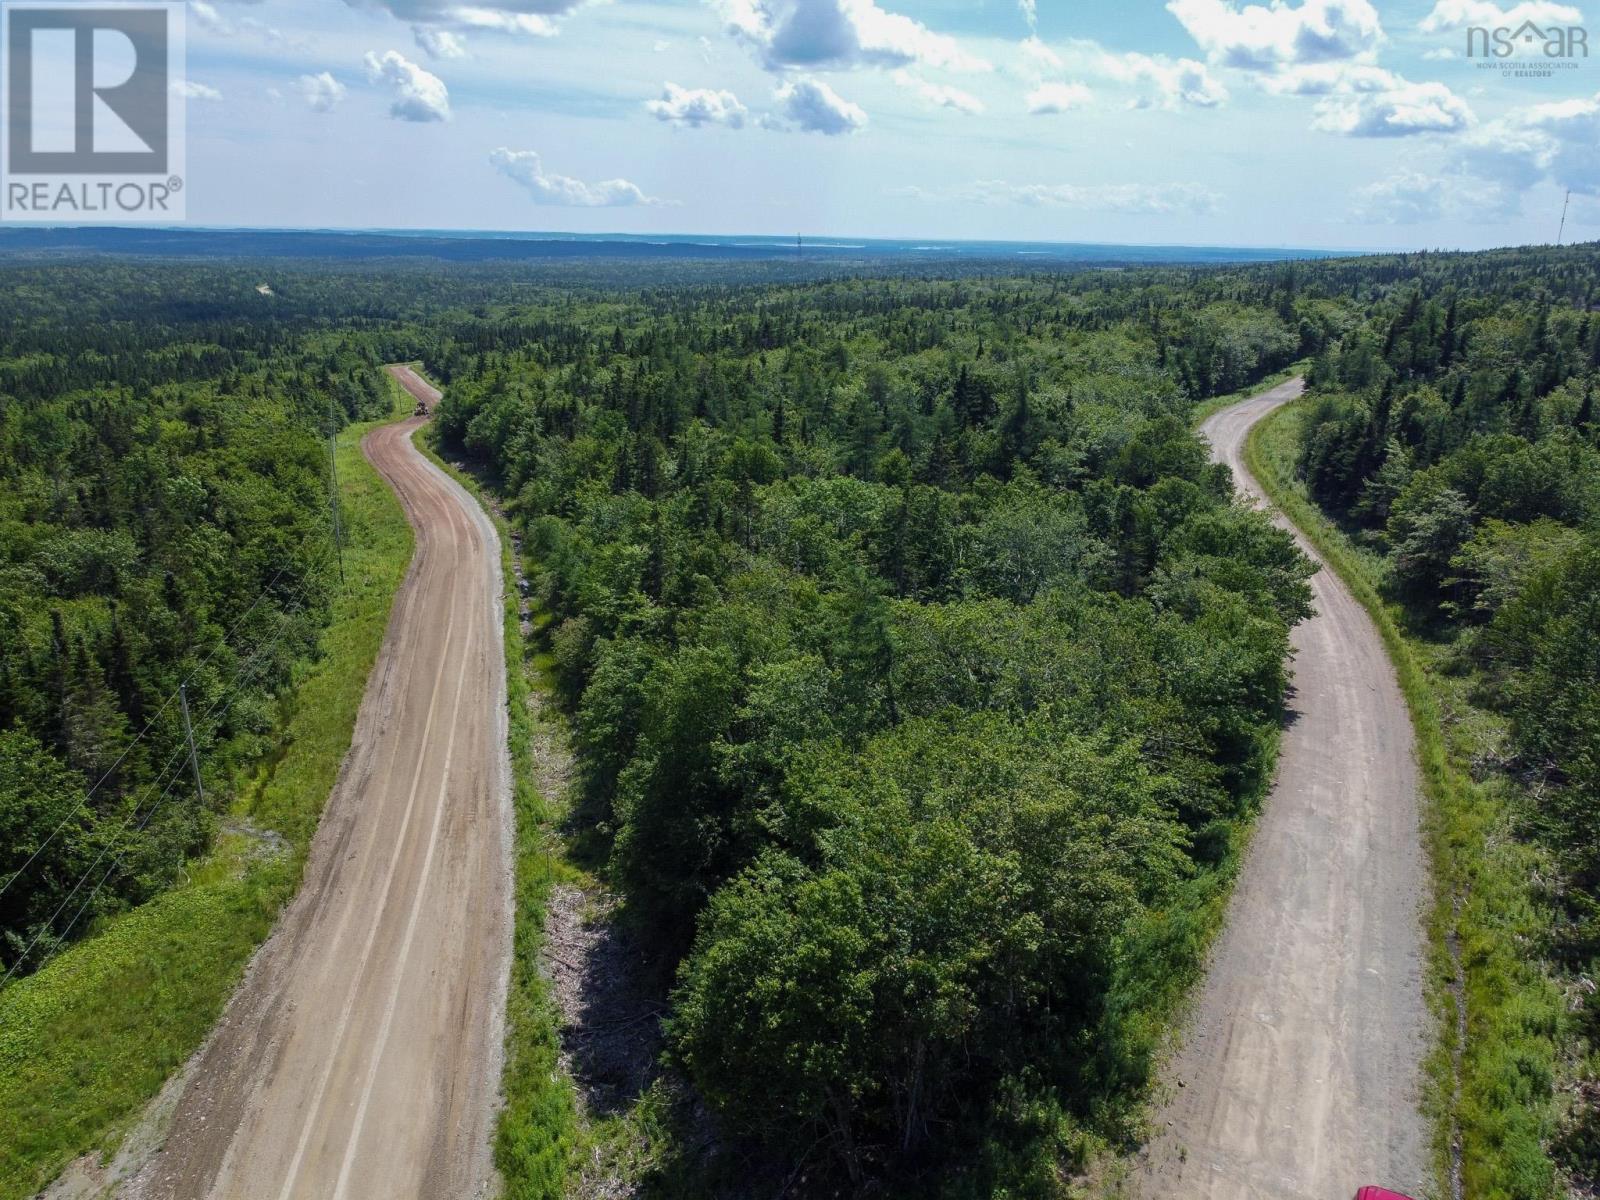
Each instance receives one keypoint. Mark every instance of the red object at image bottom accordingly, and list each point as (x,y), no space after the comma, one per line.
(1376,1193)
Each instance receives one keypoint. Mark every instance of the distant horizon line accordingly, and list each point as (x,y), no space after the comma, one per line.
(622,235)
(782,238)
(819,241)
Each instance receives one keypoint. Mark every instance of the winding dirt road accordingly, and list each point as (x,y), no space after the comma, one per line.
(361,1055)
(1300,1075)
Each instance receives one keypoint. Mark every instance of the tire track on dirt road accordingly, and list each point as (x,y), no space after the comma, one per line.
(361,1055)
(1300,1074)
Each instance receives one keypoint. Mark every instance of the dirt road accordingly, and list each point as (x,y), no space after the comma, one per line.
(1299,1078)
(419,387)
(361,1055)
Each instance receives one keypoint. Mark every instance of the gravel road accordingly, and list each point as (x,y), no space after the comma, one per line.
(1300,1075)
(361,1055)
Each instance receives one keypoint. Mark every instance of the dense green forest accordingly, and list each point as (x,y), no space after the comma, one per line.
(922,671)
(1455,433)
(924,674)
(164,519)
(860,585)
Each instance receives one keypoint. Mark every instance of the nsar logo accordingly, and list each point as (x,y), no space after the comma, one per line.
(1557,45)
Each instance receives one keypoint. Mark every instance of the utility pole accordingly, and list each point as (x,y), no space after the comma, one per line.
(333,487)
(1565,205)
(333,501)
(188,732)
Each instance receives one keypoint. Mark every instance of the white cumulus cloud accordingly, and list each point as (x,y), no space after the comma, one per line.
(1458,14)
(1259,38)
(438,43)
(1037,54)
(1553,144)
(537,18)
(419,95)
(1134,198)
(698,106)
(1413,198)
(812,106)
(1400,111)
(530,24)
(1331,79)
(321,92)
(1569,135)
(1058,98)
(210,19)
(1160,81)
(191,89)
(840,34)
(525,168)
(1403,199)
(1178,82)
(939,95)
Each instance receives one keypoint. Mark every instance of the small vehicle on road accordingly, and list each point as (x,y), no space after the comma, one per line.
(1378,1193)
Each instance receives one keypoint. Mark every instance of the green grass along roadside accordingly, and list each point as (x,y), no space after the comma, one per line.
(1489,1077)
(87,1041)
(538,1123)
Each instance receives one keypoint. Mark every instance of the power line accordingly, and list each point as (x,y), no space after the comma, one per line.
(296,592)
(89,899)
(187,679)
(194,759)
(169,775)
(172,782)
(333,501)
(48,925)
(150,724)
(299,594)
(333,488)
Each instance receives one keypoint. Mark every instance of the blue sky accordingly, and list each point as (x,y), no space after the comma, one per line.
(1318,123)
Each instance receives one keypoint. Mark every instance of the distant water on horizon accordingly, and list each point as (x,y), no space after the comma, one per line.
(777,246)
(464,245)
